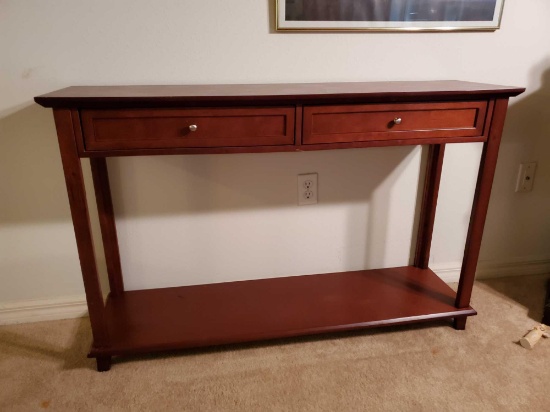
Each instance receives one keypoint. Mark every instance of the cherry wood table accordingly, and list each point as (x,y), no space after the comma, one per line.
(98,122)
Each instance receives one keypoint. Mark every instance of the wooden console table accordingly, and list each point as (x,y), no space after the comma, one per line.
(98,122)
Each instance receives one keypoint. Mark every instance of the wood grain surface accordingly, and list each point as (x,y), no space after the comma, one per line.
(352,123)
(197,95)
(162,128)
(205,315)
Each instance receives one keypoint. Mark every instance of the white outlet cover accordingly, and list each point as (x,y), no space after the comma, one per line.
(307,189)
(526,177)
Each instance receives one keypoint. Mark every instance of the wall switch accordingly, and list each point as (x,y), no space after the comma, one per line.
(307,189)
(526,176)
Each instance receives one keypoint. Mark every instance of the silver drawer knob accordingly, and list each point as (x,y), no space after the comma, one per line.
(397,120)
(193,128)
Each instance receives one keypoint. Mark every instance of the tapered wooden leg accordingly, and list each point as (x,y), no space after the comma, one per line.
(481,204)
(429,204)
(107,224)
(103,363)
(81,222)
(460,323)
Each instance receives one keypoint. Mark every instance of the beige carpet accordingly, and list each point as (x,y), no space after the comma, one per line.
(420,368)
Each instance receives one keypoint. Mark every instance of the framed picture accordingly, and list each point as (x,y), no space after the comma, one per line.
(389,15)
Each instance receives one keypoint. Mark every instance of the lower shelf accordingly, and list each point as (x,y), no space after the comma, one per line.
(207,315)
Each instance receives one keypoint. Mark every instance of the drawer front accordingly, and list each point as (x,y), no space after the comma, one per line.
(336,124)
(181,128)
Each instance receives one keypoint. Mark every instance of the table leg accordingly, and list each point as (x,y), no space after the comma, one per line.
(480,205)
(81,222)
(103,363)
(107,223)
(460,323)
(429,204)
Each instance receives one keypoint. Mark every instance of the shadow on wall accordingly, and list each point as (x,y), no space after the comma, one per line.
(34,195)
(32,186)
(38,254)
(518,224)
(362,179)
(35,190)
(172,185)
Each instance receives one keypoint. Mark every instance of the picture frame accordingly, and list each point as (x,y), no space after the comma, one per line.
(388,15)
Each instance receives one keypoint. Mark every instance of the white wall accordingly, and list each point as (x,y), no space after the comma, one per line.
(185,219)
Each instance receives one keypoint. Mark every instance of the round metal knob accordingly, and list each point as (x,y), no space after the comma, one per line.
(397,120)
(193,128)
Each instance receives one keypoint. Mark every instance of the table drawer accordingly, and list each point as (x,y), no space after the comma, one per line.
(180,128)
(335,124)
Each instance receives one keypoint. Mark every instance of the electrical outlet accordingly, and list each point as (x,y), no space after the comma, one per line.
(526,176)
(307,189)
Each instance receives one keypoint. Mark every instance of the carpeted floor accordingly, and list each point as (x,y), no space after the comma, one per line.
(410,368)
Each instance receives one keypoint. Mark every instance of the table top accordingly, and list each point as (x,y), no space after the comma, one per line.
(171,95)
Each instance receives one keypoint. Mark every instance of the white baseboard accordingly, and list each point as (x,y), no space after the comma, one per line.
(448,273)
(486,270)
(75,306)
(27,311)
